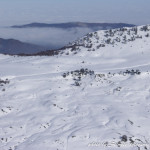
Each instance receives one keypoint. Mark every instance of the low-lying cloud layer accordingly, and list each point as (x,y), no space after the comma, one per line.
(48,37)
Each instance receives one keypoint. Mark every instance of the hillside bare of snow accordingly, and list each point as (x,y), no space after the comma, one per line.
(93,94)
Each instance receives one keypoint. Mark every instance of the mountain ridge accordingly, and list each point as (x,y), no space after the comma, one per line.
(97,26)
(13,46)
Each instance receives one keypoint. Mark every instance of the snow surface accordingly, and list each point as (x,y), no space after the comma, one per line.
(42,110)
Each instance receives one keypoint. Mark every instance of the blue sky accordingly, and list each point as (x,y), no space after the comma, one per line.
(27,11)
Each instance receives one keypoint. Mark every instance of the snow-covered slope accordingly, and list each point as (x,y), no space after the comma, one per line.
(94,94)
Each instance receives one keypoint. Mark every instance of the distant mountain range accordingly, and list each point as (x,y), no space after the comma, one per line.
(11,46)
(93,26)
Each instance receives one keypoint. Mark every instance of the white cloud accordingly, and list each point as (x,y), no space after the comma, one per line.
(51,37)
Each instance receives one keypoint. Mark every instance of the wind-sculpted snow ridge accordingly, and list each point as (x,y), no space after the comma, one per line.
(81,99)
